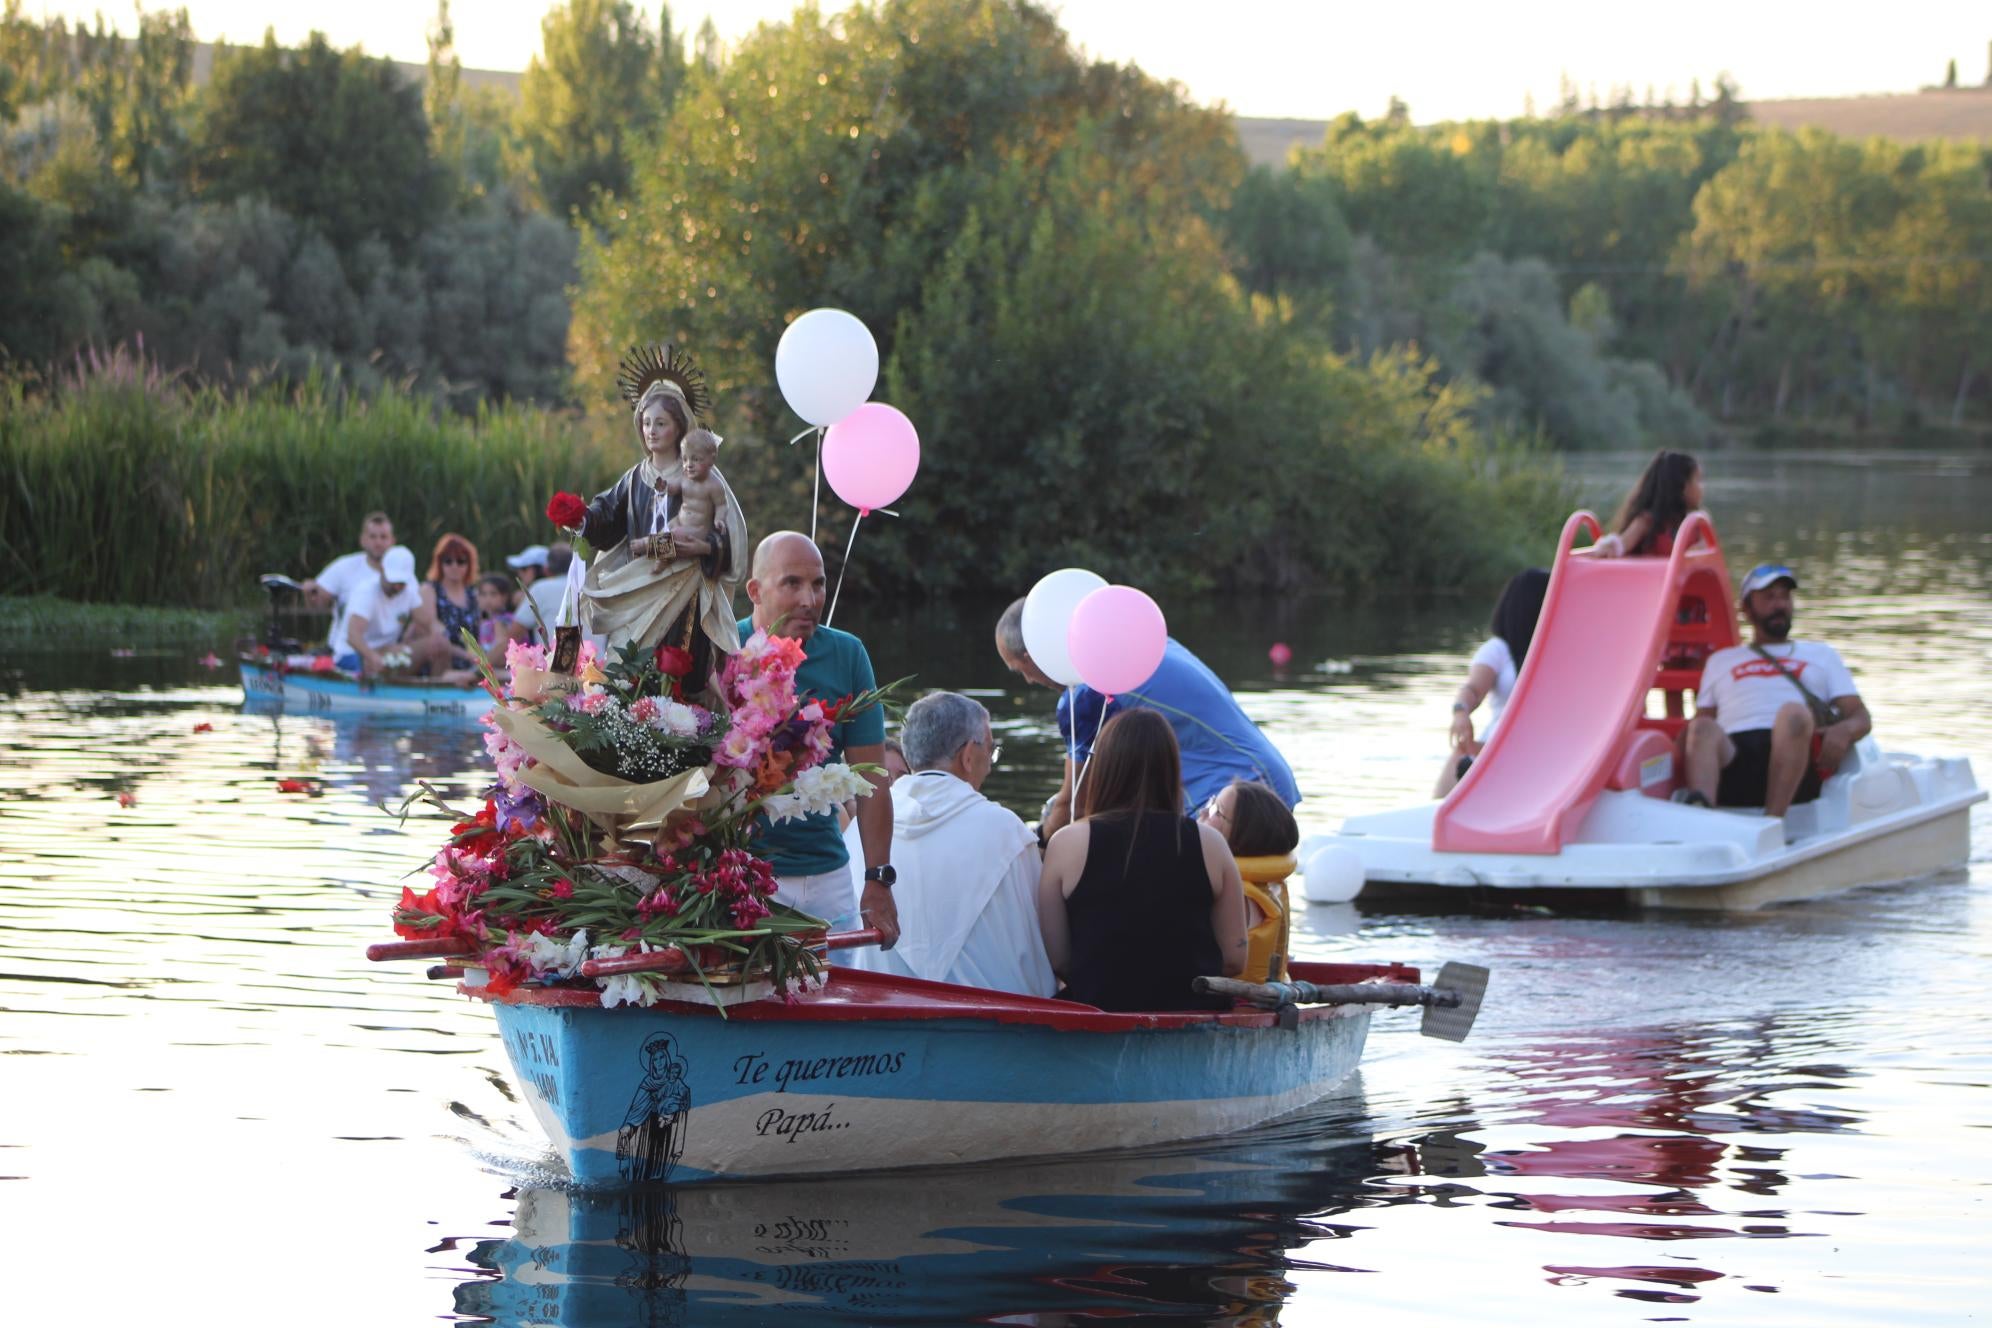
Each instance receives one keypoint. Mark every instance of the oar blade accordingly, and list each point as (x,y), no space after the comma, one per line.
(1453,1023)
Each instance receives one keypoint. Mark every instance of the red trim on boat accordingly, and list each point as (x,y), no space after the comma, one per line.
(857,995)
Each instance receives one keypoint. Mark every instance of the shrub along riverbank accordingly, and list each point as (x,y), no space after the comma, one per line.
(128,491)
(136,492)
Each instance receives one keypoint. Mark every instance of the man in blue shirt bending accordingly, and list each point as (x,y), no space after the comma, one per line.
(812,866)
(1219,741)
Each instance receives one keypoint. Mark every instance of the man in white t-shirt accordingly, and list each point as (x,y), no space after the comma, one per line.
(1750,743)
(348,572)
(388,611)
(539,608)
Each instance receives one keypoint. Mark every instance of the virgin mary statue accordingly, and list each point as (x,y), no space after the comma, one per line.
(648,584)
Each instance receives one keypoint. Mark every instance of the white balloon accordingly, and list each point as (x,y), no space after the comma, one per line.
(1048,612)
(1333,875)
(827,365)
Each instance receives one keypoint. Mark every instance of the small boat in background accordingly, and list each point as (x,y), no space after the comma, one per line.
(1572,793)
(298,683)
(276,671)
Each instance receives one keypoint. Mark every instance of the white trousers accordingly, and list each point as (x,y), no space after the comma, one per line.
(828,895)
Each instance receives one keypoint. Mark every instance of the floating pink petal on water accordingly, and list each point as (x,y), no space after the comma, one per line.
(1281,654)
(123,652)
(204,728)
(127,800)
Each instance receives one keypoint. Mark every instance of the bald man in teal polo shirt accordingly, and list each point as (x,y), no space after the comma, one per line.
(813,869)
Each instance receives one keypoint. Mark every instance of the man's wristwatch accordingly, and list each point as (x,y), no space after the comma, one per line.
(883,874)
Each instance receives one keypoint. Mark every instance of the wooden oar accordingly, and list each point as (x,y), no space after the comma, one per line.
(1451,1002)
(671,959)
(442,947)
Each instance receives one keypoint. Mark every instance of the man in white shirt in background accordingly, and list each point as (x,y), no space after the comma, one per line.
(348,572)
(1750,742)
(967,867)
(388,611)
(539,608)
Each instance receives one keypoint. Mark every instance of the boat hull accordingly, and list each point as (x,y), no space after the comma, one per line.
(338,694)
(878,1072)
(1889,818)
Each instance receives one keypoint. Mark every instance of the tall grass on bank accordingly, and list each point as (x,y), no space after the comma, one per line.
(154,493)
(129,490)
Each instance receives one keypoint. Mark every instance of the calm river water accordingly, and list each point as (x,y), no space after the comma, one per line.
(212,1108)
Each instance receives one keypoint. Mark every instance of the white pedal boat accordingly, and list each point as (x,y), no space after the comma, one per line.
(1571,793)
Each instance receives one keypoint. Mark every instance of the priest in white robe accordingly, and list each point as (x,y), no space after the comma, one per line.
(967,868)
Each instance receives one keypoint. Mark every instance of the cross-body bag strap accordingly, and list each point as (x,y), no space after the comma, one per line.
(1824,713)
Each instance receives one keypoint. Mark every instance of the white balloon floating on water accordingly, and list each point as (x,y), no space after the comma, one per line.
(1333,875)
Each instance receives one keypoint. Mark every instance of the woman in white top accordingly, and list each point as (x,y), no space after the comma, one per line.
(1493,671)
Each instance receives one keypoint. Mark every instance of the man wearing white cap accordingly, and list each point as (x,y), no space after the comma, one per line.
(386,611)
(1762,706)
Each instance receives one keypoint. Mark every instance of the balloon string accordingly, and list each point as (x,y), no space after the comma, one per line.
(1072,749)
(1072,812)
(816,499)
(844,567)
(804,434)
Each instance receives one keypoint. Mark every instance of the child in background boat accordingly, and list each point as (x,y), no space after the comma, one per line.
(1493,670)
(496,627)
(1654,510)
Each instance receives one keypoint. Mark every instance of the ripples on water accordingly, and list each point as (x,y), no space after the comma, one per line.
(210,1102)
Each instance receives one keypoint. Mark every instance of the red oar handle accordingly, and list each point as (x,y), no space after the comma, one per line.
(844,940)
(440,948)
(668,960)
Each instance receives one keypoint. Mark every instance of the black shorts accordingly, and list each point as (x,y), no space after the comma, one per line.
(1745,778)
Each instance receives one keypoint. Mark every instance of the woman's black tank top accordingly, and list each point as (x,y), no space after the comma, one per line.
(1140,923)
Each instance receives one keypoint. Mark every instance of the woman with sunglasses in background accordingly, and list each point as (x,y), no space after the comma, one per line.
(450,592)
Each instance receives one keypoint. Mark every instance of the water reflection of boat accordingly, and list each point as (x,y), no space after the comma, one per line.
(269,683)
(1572,791)
(1204,1235)
(873,1072)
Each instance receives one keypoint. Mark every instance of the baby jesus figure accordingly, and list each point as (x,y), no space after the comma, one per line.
(698,497)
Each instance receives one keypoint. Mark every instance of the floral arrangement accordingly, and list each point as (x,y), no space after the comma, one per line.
(623,819)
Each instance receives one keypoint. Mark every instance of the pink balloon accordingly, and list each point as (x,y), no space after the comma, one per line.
(871,455)
(1116,639)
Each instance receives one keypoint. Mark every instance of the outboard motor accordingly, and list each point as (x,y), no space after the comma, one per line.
(279,589)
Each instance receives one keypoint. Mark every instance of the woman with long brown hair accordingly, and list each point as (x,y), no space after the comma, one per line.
(1136,899)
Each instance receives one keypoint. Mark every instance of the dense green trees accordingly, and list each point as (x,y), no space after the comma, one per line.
(602,82)
(1028,235)
(1120,345)
(292,216)
(1763,275)
(336,140)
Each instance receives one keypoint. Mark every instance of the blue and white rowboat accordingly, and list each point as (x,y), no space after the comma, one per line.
(344,694)
(871,1072)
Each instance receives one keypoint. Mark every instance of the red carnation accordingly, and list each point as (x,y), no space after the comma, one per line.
(674,661)
(567,511)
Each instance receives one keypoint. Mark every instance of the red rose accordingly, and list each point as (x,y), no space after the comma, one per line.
(566,510)
(674,661)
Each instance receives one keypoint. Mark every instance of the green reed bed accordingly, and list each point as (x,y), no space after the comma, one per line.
(136,493)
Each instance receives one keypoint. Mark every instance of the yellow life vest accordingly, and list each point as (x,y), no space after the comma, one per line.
(1266,940)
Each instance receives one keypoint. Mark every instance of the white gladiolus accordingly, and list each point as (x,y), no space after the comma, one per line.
(625,988)
(549,958)
(816,791)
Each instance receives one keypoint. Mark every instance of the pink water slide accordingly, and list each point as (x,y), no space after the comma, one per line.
(1612,629)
